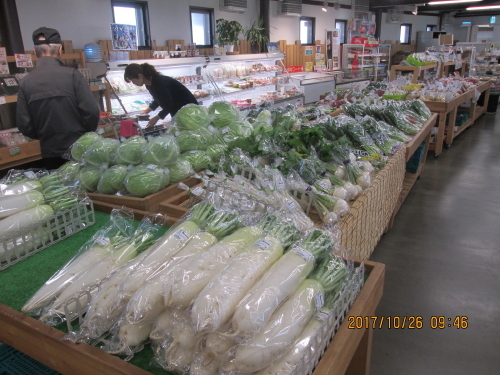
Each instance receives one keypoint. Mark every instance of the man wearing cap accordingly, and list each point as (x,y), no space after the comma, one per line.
(54,104)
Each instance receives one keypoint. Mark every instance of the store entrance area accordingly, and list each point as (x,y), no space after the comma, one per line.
(442,259)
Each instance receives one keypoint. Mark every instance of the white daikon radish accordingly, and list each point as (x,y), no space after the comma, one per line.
(162,325)
(20,188)
(10,205)
(24,219)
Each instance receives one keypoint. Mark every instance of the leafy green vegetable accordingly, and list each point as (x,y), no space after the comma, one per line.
(181,170)
(161,151)
(239,129)
(83,144)
(198,159)
(265,116)
(192,117)
(302,140)
(223,113)
(129,152)
(144,180)
(216,151)
(193,140)
(102,152)
(69,171)
(89,178)
(111,181)
(262,127)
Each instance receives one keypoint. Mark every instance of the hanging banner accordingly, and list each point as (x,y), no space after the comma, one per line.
(4,67)
(23,61)
(333,48)
(124,37)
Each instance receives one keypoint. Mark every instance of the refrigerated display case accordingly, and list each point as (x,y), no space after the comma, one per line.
(244,80)
(374,59)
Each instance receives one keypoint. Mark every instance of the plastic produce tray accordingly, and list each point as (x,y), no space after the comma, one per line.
(37,237)
(13,362)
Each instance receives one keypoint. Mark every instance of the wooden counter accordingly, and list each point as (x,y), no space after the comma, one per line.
(417,71)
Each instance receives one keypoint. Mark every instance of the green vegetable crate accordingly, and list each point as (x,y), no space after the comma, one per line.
(13,362)
(413,164)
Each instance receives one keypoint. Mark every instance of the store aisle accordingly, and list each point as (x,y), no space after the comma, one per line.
(442,258)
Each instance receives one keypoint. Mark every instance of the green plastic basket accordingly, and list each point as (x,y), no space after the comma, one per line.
(13,362)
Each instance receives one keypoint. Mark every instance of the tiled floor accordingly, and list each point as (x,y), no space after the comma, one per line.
(442,258)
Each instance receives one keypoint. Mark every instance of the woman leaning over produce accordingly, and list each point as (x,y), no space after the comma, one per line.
(167,92)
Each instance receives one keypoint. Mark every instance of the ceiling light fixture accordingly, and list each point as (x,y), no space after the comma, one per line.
(452,2)
(324,8)
(485,7)
(415,11)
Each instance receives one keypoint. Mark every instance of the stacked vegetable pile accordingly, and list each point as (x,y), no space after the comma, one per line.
(220,291)
(26,200)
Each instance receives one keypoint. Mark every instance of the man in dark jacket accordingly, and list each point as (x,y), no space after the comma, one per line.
(54,104)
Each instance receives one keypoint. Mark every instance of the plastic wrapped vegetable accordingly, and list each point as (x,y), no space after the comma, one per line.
(145,180)
(223,114)
(129,152)
(89,178)
(239,129)
(198,159)
(357,133)
(112,180)
(216,151)
(102,152)
(83,144)
(180,170)
(192,117)
(161,151)
(69,171)
(193,140)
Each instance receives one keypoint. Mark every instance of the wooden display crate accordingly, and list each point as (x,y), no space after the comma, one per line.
(138,214)
(12,156)
(174,206)
(151,203)
(349,350)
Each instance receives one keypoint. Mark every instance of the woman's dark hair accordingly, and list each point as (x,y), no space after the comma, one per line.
(133,70)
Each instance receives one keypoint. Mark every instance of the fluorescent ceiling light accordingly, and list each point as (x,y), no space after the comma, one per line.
(325,7)
(483,26)
(452,2)
(485,7)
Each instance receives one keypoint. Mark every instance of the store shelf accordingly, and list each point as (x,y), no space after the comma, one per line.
(416,70)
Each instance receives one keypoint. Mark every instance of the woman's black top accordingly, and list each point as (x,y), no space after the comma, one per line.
(169,94)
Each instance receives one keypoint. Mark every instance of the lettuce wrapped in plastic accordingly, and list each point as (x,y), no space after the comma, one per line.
(161,151)
(102,152)
(180,170)
(83,144)
(129,152)
(286,120)
(239,129)
(69,171)
(198,159)
(190,140)
(111,181)
(223,113)
(192,117)
(262,127)
(89,178)
(216,151)
(144,180)
(265,116)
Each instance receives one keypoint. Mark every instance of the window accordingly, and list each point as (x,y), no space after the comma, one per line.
(430,28)
(405,34)
(202,26)
(342,26)
(134,13)
(307,26)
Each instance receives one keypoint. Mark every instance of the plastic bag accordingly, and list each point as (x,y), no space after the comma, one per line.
(161,151)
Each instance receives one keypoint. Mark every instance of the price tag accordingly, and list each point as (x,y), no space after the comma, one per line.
(103,241)
(319,299)
(30,174)
(304,254)
(322,316)
(266,183)
(152,166)
(197,191)
(2,100)
(280,185)
(102,87)
(69,230)
(291,205)
(181,235)
(262,244)
(224,130)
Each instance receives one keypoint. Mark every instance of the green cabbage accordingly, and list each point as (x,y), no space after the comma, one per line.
(69,171)
(102,152)
(239,129)
(129,152)
(144,180)
(181,170)
(190,141)
(216,151)
(192,117)
(83,144)
(286,119)
(223,113)
(161,151)
(111,181)
(265,116)
(89,178)
(261,126)
(198,159)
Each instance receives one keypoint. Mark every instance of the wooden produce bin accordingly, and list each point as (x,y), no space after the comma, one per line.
(418,71)
(349,350)
(151,203)
(447,112)
(138,214)
(13,156)
(176,205)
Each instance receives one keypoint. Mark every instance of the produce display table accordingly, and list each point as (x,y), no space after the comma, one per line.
(418,71)
(349,351)
(449,110)
(445,68)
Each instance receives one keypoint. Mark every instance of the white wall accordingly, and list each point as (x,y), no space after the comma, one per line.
(391,31)
(460,33)
(85,21)
(287,27)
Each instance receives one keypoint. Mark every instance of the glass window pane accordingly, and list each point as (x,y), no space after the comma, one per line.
(125,15)
(341,26)
(306,31)
(404,36)
(200,28)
